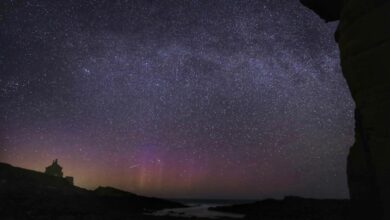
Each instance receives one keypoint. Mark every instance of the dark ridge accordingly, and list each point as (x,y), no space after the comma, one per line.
(27,194)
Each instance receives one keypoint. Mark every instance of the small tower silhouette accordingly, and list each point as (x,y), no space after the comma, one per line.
(54,169)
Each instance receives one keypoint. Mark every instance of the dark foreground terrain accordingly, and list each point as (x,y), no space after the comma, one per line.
(293,208)
(27,194)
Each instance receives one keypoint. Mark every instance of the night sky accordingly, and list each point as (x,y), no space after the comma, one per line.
(176,98)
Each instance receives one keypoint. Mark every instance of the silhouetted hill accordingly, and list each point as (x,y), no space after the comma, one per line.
(21,181)
(29,194)
(291,207)
(110,191)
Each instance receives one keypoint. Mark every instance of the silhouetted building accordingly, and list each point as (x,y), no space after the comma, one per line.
(54,169)
(69,179)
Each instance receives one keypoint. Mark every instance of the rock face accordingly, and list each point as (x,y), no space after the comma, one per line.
(27,194)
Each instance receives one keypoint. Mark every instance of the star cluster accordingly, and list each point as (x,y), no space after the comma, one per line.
(176,98)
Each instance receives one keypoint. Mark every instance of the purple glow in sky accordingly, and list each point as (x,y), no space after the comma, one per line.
(176,98)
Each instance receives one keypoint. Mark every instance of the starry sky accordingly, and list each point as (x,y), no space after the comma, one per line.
(239,99)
